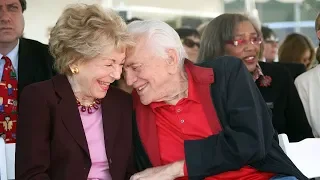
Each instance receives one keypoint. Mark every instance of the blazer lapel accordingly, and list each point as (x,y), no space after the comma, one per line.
(68,109)
(110,121)
(147,129)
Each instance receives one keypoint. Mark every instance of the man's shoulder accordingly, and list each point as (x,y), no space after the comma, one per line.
(33,44)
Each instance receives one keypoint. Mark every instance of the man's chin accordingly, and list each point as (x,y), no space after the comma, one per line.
(8,39)
(145,101)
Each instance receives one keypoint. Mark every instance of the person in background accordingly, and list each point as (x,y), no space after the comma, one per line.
(236,35)
(204,121)
(270,44)
(270,52)
(202,27)
(22,62)
(308,85)
(297,48)
(191,42)
(70,126)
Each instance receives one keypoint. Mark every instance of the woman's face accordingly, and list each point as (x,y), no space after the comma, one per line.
(191,44)
(95,75)
(245,45)
(306,58)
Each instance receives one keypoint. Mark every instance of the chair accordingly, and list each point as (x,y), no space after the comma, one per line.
(304,154)
(3,162)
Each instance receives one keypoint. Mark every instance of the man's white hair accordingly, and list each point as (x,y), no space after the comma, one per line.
(160,37)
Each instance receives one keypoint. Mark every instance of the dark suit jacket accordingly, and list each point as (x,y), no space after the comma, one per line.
(35,63)
(283,99)
(295,69)
(51,142)
(247,136)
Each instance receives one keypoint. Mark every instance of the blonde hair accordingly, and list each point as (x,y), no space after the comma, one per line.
(83,32)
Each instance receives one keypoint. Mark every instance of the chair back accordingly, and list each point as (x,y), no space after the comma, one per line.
(304,154)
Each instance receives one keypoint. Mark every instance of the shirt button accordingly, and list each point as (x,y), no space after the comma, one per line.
(178,110)
(182,121)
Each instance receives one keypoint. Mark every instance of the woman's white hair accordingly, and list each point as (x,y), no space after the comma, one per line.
(160,37)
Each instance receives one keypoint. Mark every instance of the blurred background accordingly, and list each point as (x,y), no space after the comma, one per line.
(283,16)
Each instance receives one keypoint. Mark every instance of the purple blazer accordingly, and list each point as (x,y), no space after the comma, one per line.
(51,142)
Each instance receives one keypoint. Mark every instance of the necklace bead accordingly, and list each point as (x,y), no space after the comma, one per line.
(89,108)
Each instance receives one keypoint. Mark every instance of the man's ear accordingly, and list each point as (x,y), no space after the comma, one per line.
(318,34)
(172,61)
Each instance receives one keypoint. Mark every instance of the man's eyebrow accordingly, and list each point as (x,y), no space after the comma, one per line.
(12,4)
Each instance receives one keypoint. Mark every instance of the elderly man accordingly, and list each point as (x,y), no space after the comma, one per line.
(198,122)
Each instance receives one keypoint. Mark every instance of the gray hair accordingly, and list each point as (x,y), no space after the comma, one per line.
(160,36)
(217,32)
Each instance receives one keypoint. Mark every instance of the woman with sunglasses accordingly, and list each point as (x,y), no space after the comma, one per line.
(236,35)
(191,42)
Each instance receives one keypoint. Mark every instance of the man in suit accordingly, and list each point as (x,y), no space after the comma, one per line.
(205,121)
(23,61)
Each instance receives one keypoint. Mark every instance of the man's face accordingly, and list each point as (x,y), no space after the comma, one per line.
(148,73)
(11,21)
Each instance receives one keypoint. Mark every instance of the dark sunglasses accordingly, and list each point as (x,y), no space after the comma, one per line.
(190,43)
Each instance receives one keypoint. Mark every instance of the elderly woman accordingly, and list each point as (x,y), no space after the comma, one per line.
(71,126)
(236,35)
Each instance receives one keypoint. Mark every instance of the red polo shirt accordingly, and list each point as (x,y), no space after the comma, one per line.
(187,121)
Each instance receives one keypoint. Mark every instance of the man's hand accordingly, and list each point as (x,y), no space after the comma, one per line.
(166,172)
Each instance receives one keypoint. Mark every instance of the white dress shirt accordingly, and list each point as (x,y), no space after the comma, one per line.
(13,56)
